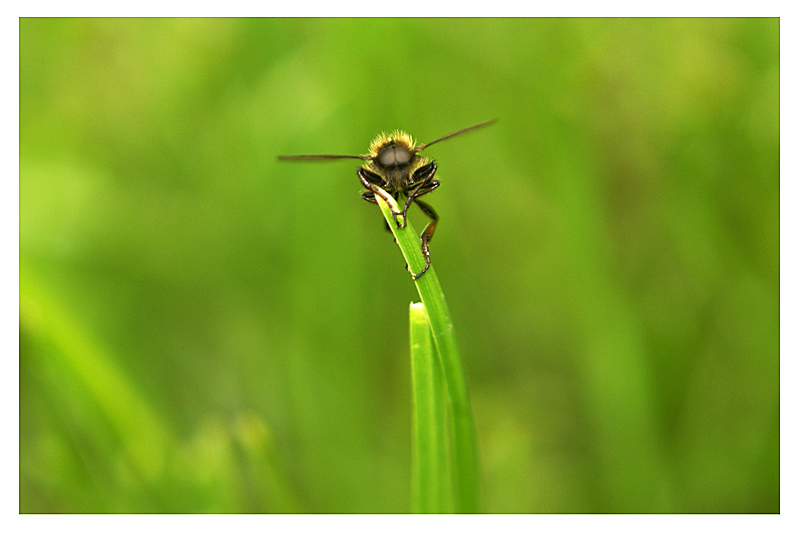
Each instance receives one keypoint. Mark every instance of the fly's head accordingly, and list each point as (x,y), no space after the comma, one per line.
(394,157)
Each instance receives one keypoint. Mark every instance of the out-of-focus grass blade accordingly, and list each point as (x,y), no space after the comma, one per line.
(464,457)
(431,482)
(144,435)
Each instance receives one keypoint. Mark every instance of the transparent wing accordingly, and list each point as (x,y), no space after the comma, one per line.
(459,132)
(320,157)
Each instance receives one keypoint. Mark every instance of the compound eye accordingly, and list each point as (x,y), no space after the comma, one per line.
(387,157)
(402,156)
(394,156)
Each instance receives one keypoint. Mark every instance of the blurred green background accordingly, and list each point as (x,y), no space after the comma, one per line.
(205,329)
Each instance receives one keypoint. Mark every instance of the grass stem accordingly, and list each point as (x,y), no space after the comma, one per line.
(462,429)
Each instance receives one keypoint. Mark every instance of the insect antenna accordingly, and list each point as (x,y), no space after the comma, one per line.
(459,132)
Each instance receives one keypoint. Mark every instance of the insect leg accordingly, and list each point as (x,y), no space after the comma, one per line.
(370,197)
(372,182)
(421,180)
(425,190)
(427,233)
(423,174)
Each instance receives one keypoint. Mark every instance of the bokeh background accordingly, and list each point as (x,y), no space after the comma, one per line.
(206,329)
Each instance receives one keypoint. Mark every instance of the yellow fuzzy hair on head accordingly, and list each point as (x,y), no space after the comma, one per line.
(399,137)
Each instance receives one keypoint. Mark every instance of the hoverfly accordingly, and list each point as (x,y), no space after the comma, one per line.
(394,169)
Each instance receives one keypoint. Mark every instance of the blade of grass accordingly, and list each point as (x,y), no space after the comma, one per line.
(431,480)
(145,435)
(464,464)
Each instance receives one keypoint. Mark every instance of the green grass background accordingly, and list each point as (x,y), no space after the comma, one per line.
(205,329)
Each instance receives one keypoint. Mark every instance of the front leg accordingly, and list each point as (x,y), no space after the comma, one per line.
(373,183)
(422,182)
(370,197)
